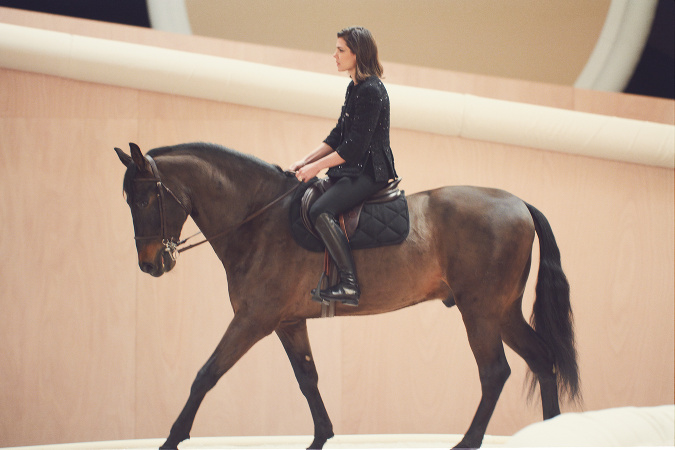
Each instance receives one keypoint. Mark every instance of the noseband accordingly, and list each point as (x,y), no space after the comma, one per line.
(170,245)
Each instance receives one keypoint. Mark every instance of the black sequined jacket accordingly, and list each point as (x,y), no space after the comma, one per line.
(361,136)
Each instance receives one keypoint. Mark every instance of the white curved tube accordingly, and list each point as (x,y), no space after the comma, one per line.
(258,85)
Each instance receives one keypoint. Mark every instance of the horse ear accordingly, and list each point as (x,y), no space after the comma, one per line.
(126,159)
(138,158)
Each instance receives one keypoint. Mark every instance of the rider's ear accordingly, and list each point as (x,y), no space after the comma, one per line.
(138,158)
(126,159)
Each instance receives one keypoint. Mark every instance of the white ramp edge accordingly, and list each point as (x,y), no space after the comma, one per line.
(355,441)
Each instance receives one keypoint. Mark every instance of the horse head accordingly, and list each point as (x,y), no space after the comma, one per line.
(158,214)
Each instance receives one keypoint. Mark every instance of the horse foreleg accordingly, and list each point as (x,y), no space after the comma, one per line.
(241,335)
(493,370)
(295,340)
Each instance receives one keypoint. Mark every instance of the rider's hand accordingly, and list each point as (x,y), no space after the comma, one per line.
(307,172)
(296,165)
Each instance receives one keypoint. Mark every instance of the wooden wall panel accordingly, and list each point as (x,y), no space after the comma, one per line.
(94,349)
(69,328)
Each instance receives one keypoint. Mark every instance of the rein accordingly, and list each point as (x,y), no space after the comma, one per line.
(173,247)
(247,219)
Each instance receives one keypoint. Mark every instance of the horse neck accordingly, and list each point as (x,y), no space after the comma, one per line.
(222,191)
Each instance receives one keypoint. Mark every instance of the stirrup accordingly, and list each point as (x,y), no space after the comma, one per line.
(316,293)
(347,299)
(346,291)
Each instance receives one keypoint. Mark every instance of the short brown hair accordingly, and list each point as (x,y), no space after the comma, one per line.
(361,42)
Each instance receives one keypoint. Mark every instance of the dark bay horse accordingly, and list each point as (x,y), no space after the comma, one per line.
(470,247)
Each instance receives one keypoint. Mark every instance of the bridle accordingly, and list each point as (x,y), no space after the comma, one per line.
(171,246)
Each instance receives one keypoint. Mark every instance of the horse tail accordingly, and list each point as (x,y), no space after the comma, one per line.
(552,311)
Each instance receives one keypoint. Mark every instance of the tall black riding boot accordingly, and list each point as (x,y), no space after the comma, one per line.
(347,289)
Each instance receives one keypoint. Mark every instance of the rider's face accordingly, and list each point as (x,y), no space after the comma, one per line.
(344,57)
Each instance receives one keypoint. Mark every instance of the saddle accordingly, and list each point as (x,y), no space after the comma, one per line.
(380,220)
(349,221)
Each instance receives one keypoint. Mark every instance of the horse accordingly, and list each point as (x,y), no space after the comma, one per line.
(469,247)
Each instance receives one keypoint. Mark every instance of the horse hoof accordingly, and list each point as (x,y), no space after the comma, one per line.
(171,444)
(467,445)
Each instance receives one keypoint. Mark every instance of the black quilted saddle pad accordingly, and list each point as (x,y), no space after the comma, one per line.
(380,224)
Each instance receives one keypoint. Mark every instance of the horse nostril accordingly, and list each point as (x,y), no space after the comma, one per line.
(147,267)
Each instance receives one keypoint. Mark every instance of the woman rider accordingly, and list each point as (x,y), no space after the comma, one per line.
(356,153)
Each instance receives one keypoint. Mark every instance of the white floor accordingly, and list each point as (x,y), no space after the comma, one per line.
(617,427)
(390,441)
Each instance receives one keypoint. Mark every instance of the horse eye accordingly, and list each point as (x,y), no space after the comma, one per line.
(141,203)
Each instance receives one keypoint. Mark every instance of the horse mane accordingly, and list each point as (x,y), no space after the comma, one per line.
(216,152)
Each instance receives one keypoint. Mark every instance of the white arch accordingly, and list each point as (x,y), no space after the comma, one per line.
(169,15)
(619,47)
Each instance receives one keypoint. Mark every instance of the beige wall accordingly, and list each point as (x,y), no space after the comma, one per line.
(94,349)
(546,41)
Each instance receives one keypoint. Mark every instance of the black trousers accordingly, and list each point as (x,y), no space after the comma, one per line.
(346,193)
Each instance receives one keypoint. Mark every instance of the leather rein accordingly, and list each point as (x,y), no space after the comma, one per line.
(173,247)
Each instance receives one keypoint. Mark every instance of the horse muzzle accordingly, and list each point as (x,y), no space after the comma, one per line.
(156,260)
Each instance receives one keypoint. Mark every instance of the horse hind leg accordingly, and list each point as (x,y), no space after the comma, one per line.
(493,369)
(520,337)
(295,340)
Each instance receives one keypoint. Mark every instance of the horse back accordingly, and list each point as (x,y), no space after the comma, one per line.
(478,205)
